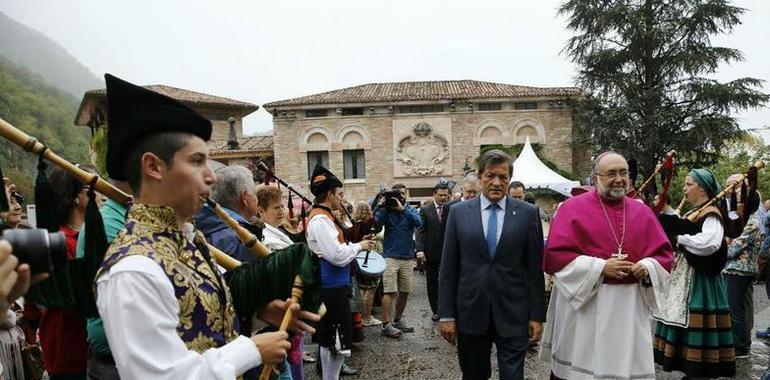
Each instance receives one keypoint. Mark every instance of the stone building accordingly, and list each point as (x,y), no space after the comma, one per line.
(417,132)
(93,109)
(228,145)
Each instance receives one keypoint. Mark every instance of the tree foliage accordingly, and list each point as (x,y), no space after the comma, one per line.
(42,111)
(646,67)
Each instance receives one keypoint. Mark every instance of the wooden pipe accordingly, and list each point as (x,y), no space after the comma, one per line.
(678,210)
(30,144)
(223,259)
(296,295)
(247,238)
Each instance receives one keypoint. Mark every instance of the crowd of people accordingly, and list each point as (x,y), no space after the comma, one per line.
(635,286)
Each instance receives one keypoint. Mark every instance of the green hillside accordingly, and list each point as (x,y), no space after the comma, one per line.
(43,111)
(33,50)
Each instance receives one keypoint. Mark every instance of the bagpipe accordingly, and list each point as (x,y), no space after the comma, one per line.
(648,189)
(689,223)
(71,286)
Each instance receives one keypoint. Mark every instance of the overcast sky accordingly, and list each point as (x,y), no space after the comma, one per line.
(268,50)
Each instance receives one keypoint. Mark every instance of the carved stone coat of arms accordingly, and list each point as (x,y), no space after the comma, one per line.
(422,152)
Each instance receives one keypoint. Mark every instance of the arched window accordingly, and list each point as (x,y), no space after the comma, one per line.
(528,127)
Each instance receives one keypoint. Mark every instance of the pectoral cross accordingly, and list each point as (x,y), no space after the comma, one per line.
(619,254)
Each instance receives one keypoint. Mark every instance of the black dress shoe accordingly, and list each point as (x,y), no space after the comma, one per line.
(348,371)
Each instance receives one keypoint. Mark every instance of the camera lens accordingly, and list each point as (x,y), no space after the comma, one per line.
(43,251)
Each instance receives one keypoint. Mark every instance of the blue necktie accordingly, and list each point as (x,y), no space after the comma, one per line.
(492,228)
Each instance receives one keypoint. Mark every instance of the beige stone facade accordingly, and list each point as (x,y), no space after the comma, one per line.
(417,141)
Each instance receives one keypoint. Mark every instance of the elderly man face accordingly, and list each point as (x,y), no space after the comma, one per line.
(611,176)
(471,190)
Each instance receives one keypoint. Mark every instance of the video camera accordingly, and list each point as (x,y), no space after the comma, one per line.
(42,250)
(390,196)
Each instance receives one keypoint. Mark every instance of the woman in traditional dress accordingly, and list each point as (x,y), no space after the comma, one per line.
(704,348)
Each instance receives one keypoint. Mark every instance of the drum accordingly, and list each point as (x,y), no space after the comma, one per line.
(369,270)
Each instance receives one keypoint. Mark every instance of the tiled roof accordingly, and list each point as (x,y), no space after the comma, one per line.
(95,99)
(246,144)
(420,91)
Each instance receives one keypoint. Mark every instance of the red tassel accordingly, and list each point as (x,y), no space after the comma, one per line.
(667,173)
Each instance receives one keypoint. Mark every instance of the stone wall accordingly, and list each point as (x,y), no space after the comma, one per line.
(381,130)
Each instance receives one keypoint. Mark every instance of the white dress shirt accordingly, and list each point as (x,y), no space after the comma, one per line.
(322,240)
(140,312)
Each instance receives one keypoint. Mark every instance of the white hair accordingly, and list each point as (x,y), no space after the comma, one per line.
(231,182)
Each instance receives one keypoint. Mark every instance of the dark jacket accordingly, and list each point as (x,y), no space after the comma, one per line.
(429,238)
(399,228)
(476,287)
(221,236)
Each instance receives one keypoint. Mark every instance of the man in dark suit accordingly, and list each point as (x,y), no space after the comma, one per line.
(491,284)
(469,190)
(430,240)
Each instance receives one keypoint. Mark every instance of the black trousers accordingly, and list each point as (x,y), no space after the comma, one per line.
(740,296)
(474,353)
(431,276)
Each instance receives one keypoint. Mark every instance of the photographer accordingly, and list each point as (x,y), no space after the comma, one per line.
(400,221)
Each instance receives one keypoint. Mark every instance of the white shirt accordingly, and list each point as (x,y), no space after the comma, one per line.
(322,240)
(275,239)
(485,210)
(140,313)
(707,241)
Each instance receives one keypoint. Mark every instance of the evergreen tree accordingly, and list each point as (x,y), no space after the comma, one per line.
(647,67)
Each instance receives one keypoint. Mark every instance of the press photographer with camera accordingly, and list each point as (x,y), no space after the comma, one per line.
(15,274)
(15,279)
(400,221)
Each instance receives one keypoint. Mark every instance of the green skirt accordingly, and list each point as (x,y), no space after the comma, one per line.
(705,348)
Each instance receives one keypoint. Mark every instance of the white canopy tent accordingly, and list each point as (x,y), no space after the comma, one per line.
(534,174)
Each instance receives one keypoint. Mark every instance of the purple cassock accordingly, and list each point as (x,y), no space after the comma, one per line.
(582,227)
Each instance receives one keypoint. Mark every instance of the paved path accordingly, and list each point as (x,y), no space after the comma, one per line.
(424,355)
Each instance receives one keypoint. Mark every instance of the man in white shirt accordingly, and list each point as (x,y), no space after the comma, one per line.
(325,237)
(167,312)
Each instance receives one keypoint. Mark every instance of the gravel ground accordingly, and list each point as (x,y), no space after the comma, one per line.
(424,355)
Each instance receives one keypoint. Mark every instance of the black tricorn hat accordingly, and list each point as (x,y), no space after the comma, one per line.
(135,112)
(323,180)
